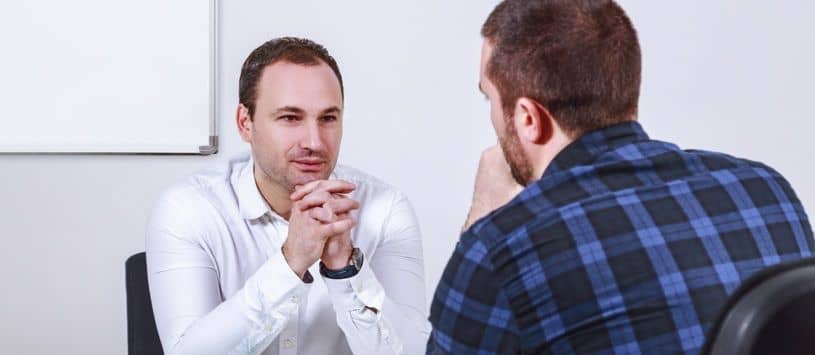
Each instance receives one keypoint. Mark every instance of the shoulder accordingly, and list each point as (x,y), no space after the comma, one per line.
(755,177)
(189,205)
(716,161)
(205,183)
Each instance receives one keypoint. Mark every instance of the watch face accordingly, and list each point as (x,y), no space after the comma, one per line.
(356,258)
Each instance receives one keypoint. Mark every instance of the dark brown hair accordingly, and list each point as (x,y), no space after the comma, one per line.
(578,58)
(290,49)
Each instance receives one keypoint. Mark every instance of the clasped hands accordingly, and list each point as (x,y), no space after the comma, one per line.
(320,225)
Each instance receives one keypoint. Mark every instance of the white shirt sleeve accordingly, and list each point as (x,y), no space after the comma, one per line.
(381,310)
(191,315)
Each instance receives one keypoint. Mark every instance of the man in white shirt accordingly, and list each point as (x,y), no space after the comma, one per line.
(234,254)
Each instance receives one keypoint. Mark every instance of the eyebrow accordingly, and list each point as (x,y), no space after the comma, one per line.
(299,111)
(292,109)
(332,109)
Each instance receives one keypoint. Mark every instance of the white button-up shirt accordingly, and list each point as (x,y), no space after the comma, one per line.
(220,285)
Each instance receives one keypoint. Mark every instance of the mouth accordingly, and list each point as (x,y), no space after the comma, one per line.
(309,165)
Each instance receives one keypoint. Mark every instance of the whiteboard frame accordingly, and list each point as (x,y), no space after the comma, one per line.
(209,149)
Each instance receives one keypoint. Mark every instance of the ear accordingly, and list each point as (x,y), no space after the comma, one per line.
(533,122)
(244,122)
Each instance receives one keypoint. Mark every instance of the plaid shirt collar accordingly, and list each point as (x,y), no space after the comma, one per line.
(585,149)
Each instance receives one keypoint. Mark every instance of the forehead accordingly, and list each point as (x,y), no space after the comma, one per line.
(310,87)
(486,54)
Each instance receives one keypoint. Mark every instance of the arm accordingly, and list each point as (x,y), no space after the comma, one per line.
(494,185)
(381,310)
(191,315)
(470,312)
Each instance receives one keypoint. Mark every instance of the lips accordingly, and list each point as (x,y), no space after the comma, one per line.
(309,165)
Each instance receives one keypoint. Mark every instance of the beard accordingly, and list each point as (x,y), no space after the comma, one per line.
(519,165)
(285,175)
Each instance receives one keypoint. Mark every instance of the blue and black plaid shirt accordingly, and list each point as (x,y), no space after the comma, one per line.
(626,245)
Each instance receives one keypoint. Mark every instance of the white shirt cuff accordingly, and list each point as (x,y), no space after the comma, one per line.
(357,292)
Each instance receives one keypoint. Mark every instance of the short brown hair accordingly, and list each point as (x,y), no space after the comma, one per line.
(290,49)
(578,58)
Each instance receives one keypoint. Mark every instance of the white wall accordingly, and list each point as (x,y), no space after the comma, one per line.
(721,75)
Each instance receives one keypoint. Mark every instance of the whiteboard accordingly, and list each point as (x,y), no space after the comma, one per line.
(101,76)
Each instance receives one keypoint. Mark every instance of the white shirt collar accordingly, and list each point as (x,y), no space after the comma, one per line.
(251,203)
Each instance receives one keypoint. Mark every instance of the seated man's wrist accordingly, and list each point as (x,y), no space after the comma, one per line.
(337,262)
(299,270)
(342,270)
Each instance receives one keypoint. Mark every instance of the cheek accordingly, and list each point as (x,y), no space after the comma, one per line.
(497,118)
(332,138)
(272,140)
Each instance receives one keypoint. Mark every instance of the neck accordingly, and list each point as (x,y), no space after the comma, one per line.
(276,195)
(548,153)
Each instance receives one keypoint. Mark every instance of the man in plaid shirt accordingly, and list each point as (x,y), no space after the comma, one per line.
(586,236)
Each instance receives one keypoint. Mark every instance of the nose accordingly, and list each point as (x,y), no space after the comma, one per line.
(312,139)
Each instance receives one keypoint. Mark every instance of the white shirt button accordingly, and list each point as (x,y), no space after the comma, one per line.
(295,299)
(288,343)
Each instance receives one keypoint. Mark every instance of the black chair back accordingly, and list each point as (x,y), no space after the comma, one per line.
(142,335)
(773,312)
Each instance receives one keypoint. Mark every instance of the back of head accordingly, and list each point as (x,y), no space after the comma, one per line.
(580,59)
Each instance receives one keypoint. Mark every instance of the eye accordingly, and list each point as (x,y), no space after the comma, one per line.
(328,118)
(288,118)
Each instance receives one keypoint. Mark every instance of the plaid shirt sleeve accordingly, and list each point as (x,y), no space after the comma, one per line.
(470,312)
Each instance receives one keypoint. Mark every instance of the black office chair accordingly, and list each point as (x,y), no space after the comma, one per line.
(142,335)
(773,312)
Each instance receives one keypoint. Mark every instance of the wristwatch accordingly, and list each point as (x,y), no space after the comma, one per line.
(354,264)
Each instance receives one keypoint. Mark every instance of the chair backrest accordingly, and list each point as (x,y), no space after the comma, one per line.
(773,312)
(142,335)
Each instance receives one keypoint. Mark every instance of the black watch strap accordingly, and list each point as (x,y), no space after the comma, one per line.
(349,271)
